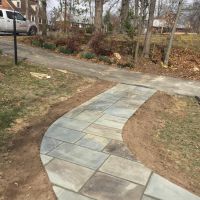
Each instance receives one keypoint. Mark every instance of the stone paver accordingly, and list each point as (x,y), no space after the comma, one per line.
(111,121)
(68,175)
(118,148)
(48,144)
(74,112)
(45,159)
(105,187)
(108,97)
(126,169)
(161,188)
(79,155)
(93,142)
(104,131)
(85,157)
(120,111)
(89,115)
(99,105)
(64,134)
(74,124)
(63,193)
(147,198)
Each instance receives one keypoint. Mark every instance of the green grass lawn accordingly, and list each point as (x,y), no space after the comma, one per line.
(23,96)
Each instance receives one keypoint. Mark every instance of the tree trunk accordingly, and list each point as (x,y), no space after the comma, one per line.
(90,8)
(139,32)
(98,15)
(44,18)
(136,13)
(147,42)
(166,60)
(37,15)
(159,8)
(65,17)
(70,12)
(27,10)
(124,13)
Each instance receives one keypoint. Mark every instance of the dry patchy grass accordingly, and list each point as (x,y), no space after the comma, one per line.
(23,96)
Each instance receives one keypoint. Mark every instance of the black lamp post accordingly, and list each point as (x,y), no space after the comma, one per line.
(15,37)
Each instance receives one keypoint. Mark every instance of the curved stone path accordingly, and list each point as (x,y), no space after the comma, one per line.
(85,158)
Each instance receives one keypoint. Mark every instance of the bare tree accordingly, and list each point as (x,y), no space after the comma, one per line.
(65,17)
(37,14)
(136,13)
(44,18)
(27,9)
(54,14)
(147,42)
(124,13)
(98,21)
(166,60)
(159,7)
(139,16)
(194,17)
(90,8)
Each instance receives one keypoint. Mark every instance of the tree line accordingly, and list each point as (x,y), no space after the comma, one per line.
(135,15)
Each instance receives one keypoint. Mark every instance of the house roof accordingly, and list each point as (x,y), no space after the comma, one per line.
(22,9)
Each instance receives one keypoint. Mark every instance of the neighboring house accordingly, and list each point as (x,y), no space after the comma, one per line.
(5,4)
(160,25)
(20,6)
(79,17)
(81,22)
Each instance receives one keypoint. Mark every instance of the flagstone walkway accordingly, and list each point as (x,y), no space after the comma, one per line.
(85,158)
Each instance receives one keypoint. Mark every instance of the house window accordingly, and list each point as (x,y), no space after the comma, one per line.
(0,2)
(40,21)
(18,4)
(32,18)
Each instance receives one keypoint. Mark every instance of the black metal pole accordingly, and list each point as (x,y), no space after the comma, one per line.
(15,37)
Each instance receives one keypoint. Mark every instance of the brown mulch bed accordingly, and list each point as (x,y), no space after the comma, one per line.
(164,135)
(184,63)
(22,175)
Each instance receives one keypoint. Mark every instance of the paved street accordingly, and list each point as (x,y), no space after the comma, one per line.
(41,56)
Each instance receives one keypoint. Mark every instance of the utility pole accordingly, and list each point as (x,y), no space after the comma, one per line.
(15,38)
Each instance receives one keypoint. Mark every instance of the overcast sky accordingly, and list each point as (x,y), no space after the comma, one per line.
(55,3)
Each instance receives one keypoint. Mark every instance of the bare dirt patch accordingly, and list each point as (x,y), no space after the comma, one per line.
(21,173)
(164,135)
